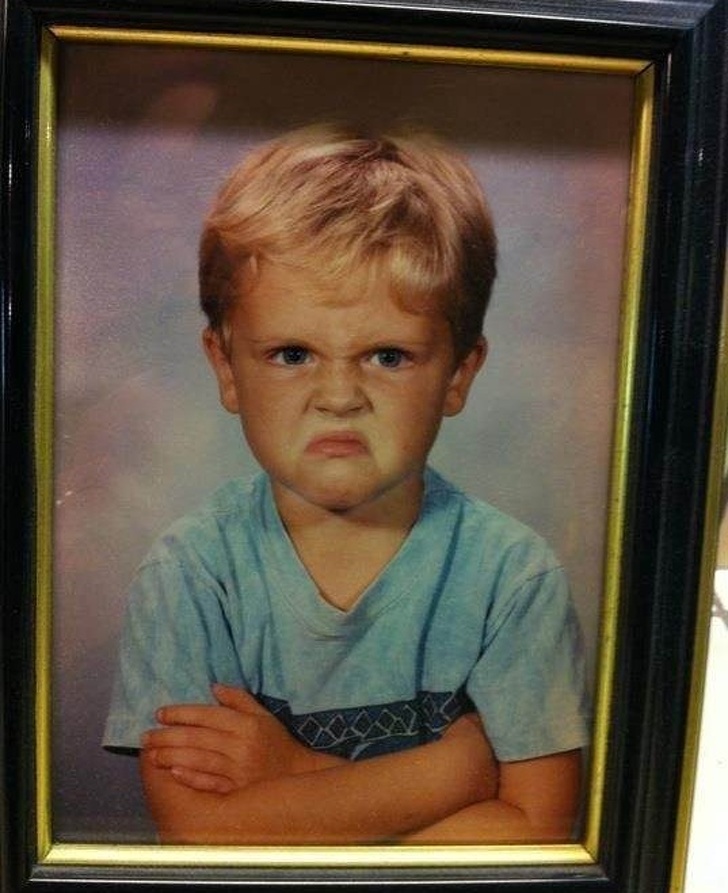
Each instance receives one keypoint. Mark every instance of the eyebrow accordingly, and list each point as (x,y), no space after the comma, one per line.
(371,344)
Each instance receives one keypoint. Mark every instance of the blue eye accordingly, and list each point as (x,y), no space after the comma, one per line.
(389,357)
(291,356)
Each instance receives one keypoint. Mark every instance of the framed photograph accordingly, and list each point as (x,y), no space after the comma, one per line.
(597,133)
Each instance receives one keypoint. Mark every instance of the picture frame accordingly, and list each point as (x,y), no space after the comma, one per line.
(666,456)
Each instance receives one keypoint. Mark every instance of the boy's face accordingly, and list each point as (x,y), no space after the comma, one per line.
(340,394)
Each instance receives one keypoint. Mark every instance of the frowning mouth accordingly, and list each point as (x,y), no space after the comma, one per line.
(337,445)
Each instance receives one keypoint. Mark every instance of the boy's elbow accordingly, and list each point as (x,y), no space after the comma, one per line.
(547,791)
(556,828)
(180,815)
(183,827)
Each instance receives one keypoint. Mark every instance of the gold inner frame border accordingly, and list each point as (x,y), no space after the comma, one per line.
(49,852)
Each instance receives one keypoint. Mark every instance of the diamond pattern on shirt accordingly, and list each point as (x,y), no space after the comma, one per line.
(358,732)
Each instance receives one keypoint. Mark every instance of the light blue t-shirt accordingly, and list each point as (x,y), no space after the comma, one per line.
(472,611)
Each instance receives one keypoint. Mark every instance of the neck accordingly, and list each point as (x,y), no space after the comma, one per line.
(397,510)
(344,552)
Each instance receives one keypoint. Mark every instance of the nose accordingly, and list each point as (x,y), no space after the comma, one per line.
(338,389)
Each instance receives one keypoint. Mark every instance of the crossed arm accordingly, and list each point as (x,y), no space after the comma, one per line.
(232,774)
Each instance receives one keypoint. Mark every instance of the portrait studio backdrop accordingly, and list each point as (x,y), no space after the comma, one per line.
(145,136)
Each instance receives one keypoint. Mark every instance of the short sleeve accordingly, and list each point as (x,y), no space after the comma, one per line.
(175,644)
(529,682)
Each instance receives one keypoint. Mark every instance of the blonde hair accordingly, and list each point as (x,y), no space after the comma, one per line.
(332,202)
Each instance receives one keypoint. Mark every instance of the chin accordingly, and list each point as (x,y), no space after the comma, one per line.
(339,495)
(339,501)
(342,490)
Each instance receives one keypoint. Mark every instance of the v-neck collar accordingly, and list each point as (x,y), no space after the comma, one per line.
(406,572)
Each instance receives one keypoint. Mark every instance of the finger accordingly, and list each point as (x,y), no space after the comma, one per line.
(202,761)
(203,715)
(187,736)
(474,719)
(200,781)
(467,724)
(237,699)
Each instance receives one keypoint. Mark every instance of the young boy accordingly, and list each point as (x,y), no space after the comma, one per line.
(327,654)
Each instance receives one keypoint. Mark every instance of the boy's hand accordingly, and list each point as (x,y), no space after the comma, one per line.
(222,748)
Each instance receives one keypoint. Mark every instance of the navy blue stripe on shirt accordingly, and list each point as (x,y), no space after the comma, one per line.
(361,732)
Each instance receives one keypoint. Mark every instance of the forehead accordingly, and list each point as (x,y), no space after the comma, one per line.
(275,290)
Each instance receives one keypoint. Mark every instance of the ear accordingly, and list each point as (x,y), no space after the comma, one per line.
(463,377)
(218,358)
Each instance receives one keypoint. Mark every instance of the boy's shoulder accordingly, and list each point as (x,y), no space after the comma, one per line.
(489,529)
(231,500)
(230,514)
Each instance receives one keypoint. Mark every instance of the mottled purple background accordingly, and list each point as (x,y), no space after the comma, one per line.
(145,136)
